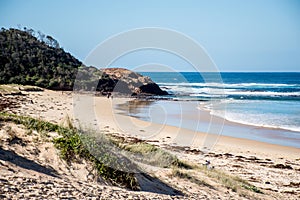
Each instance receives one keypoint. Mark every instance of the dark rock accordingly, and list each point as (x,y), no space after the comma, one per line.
(152,88)
(122,87)
(128,82)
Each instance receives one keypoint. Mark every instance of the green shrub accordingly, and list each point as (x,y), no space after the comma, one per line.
(74,145)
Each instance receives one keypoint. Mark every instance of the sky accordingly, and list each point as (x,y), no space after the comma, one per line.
(250,35)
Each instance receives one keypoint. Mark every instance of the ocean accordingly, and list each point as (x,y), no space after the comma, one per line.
(269,100)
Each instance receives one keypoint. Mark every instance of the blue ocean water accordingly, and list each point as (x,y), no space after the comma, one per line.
(259,99)
(234,85)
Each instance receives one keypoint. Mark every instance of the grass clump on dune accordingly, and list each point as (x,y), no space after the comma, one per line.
(151,154)
(141,151)
(73,146)
(184,175)
(236,184)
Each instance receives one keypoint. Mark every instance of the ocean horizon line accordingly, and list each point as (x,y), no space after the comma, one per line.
(219,71)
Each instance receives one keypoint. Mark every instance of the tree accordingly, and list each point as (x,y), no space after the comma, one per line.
(31,31)
(25,59)
(52,42)
(41,36)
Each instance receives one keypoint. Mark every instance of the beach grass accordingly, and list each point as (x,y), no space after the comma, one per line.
(187,175)
(235,183)
(150,154)
(73,147)
(199,174)
(157,156)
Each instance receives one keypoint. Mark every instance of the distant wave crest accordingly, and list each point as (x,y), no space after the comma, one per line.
(237,91)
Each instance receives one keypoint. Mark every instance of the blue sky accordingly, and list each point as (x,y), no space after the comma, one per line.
(240,35)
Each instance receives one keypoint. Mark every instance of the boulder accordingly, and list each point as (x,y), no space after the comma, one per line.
(125,81)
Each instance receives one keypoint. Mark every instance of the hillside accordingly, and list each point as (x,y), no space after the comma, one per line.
(31,58)
(26,60)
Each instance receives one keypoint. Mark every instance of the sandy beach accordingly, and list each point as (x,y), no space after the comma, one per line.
(273,168)
(175,136)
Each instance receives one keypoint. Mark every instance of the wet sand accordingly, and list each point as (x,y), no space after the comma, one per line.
(185,114)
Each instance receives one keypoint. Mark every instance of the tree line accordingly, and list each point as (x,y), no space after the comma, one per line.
(33,58)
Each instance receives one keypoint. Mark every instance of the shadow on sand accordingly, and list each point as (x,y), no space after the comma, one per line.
(12,157)
(150,184)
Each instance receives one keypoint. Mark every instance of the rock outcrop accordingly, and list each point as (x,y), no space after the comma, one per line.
(117,81)
(129,82)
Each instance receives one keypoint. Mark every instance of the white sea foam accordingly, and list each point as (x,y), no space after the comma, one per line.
(225,85)
(261,93)
(213,92)
(255,120)
(253,117)
(277,113)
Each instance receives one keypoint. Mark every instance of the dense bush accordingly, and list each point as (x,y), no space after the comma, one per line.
(29,60)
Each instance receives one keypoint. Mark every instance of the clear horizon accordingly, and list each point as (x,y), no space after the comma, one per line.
(239,36)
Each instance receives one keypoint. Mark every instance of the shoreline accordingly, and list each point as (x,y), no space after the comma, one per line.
(204,118)
(270,127)
(202,109)
(174,136)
